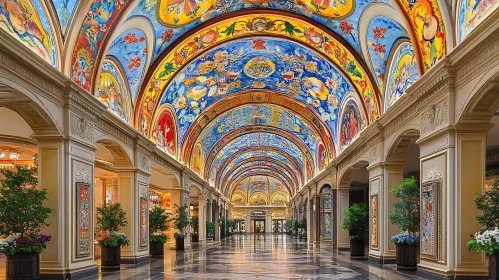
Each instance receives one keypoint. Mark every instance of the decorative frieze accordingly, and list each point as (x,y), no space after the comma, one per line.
(435,116)
(82,128)
(82,177)
(432,174)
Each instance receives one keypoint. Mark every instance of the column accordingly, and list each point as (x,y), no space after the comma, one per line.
(310,221)
(452,176)
(383,177)
(317,222)
(217,225)
(133,192)
(66,172)
(268,222)
(343,202)
(202,220)
(247,223)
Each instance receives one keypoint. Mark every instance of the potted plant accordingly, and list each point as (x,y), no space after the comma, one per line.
(405,215)
(487,240)
(180,222)
(356,220)
(195,228)
(22,216)
(110,219)
(210,227)
(295,227)
(223,225)
(303,228)
(157,225)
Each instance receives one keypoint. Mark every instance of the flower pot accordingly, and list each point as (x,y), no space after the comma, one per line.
(357,249)
(179,243)
(494,266)
(407,257)
(111,257)
(195,238)
(156,248)
(23,266)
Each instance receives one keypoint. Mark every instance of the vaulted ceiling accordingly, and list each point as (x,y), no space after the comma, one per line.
(245,91)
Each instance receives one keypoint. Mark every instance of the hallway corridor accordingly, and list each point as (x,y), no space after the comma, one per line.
(256,256)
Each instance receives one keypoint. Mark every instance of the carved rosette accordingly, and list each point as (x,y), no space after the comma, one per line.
(436,116)
(81,128)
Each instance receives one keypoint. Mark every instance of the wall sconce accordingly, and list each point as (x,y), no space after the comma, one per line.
(313,207)
(2,155)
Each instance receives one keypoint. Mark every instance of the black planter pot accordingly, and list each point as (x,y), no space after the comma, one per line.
(111,257)
(179,243)
(23,266)
(407,257)
(494,266)
(156,249)
(357,249)
(195,238)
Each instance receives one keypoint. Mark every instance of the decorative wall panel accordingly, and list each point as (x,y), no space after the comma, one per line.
(83,194)
(429,218)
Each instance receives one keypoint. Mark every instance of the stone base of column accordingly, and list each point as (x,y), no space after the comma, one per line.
(134,259)
(382,259)
(88,272)
(435,276)
(317,245)
(202,243)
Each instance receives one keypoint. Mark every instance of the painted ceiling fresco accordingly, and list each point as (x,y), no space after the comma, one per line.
(381,35)
(255,140)
(472,13)
(252,25)
(130,48)
(258,115)
(242,156)
(65,10)
(259,190)
(214,83)
(403,73)
(266,63)
(27,21)
(113,92)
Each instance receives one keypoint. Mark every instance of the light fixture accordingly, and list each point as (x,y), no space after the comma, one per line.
(2,155)
(14,155)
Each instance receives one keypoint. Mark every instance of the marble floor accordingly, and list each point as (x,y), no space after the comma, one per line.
(256,256)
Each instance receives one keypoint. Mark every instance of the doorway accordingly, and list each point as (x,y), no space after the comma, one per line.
(258,226)
(278,225)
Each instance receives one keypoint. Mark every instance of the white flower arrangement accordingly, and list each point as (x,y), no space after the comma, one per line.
(487,241)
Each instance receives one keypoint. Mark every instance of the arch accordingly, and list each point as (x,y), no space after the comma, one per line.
(112,90)
(346,176)
(255,18)
(402,145)
(264,148)
(255,97)
(43,117)
(229,187)
(221,179)
(482,103)
(351,122)
(325,188)
(165,130)
(257,130)
(244,174)
(163,178)
(122,157)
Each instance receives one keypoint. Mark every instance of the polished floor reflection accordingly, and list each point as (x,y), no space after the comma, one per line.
(257,256)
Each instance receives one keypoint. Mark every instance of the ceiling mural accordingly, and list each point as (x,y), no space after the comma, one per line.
(317,91)
(130,49)
(112,91)
(472,13)
(381,35)
(27,21)
(260,165)
(351,123)
(239,157)
(271,64)
(254,140)
(97,24)
(258,161)
(164,132)
(261,190)
(429,29)
(255,172)
(65,10)
(260,115)
(403,73)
